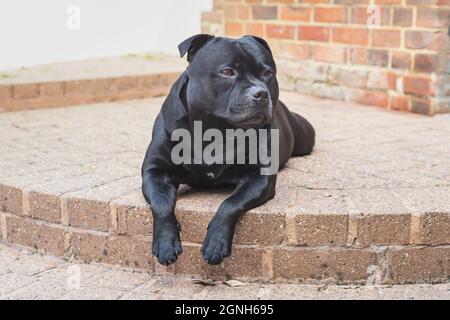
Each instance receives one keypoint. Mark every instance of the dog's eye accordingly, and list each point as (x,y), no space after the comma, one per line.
(227,72)
(267,73)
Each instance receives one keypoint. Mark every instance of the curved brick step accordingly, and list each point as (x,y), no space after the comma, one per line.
(88,81)
(370,205)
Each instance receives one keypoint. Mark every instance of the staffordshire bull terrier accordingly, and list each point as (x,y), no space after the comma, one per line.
(229,84)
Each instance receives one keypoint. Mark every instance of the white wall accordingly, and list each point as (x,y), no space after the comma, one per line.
(36,31)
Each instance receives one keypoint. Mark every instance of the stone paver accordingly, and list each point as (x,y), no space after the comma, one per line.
(58,279)
(374,191)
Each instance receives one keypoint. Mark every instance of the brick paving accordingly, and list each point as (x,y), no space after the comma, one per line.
(88,81)
(369,205)
(25,274)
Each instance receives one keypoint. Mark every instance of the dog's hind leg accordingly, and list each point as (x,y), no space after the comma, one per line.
(304,135)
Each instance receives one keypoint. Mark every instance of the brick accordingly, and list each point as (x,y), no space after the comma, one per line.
(5,92)
(388,1)
(303,264)
(89,246)
(194,224)
(425,63)
(357,55)
(233,28)
(312,71)
(25,91)
(280,31)
(437,2)
(421,105)
(350,1)
(361,16)
(230,12)
(378,80)
(374,98)
(378,58)
(329,54)
(296,13)
(313,33)
(134,220)
(148,82)
(44,206)
(401,60)
(314,1)
(121,84)
(256,29)
(402,17)
(214,16)
(383,229)
(321,229)
(52,89)
(294,51)
(433,17)
(119,250)
(89,214)
(281,1)
(349,78)
(40,236)
(357,36)
(217,4)
(328,91)
(417,85)
(244,12)
(330,14)
(413,265)
(399,103)
(244,262)
(3,231)
(260,228)
(386,38)
(424,40)
(78,88)
(10,199)
(264,12)
(435,228)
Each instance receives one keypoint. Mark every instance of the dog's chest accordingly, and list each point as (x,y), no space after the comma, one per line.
(204,174)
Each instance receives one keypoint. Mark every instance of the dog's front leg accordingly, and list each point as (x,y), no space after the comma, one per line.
(160,191)
(251,191)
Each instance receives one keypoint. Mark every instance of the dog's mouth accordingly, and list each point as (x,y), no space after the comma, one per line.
(251,121)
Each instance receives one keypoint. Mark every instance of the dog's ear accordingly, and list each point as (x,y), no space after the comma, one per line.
(192,44)
(261,41)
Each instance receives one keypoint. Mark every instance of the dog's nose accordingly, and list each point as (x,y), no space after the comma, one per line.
(259,94)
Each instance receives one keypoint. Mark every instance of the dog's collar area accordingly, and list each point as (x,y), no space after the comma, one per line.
(210,175)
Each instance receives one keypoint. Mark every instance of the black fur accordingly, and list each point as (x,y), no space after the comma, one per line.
(248,98)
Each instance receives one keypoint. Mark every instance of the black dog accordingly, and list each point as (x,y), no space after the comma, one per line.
(229,84)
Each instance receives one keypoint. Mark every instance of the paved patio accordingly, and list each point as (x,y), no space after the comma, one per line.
(370,204)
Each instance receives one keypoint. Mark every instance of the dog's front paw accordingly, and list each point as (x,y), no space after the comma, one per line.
(217,245)
(167,245)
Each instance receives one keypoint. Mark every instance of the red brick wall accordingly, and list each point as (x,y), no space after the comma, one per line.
(326,47)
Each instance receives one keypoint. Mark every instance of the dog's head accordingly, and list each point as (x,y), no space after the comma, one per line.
(231,79)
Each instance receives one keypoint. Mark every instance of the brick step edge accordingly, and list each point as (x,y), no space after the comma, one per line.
(26,96)
(75,233)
